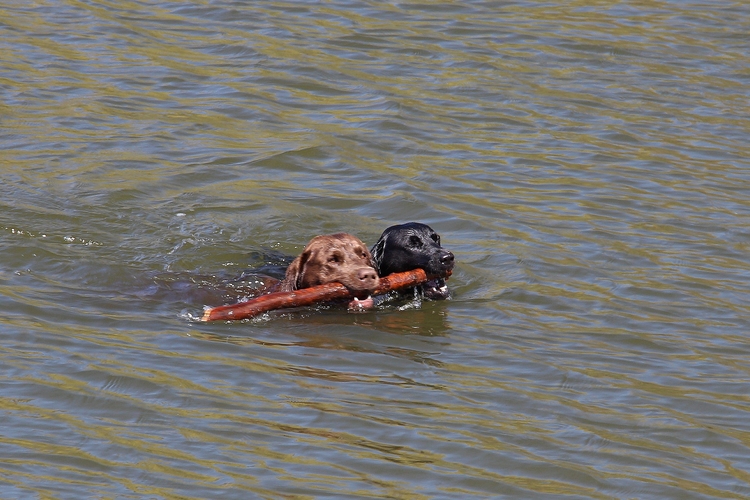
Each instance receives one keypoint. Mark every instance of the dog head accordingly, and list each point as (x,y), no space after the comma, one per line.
(339,257)
(410,246)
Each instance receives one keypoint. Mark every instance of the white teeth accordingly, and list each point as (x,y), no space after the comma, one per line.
(356,299)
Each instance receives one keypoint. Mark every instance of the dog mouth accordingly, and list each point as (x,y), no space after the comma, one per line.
(436,289)
(357,304)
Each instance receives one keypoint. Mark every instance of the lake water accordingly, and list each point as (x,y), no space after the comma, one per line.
(587,163)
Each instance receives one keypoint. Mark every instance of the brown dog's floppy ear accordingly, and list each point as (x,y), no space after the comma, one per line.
(295,272)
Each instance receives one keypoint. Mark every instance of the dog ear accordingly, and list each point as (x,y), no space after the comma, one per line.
(377,252)
(295,272)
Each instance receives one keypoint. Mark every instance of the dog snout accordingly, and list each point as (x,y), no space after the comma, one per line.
(368,277)
(447,260)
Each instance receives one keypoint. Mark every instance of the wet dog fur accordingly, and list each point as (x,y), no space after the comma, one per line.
(410,246)
(339,257)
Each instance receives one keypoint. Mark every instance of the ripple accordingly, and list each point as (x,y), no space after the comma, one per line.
(586,164)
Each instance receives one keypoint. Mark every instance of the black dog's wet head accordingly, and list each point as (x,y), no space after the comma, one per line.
(410,246)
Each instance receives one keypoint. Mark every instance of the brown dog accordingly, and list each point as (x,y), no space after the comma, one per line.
(339,257)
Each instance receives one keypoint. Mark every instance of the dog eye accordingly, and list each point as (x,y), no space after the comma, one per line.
(335,258)
(435,237)
(415,241)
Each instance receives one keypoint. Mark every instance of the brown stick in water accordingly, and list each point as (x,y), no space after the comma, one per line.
(310,296)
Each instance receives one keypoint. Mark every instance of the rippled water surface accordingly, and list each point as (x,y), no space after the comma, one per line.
(587,162)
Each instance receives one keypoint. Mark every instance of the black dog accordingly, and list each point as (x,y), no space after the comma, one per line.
(410,246)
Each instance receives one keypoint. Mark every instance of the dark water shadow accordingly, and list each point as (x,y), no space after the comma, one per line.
(190,291)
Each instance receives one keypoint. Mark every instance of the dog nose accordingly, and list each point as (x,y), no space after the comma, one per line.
(367,275)
(447,259)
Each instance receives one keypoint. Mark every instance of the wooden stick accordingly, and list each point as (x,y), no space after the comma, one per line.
(310,296)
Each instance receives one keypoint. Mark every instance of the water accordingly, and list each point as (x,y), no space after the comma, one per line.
(586,162)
